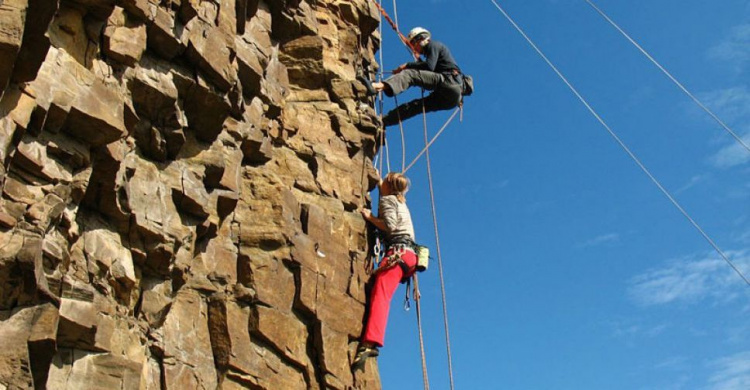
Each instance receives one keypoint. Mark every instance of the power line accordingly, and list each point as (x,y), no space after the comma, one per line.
(622,144)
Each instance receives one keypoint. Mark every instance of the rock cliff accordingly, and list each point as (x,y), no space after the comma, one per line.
(180,184)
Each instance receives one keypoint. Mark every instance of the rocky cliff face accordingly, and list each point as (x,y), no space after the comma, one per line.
(180,184)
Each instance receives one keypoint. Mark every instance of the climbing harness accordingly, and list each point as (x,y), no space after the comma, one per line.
(395,258)
(622,144)
(668,74)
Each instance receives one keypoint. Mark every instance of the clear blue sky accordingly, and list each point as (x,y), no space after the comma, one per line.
(566,268)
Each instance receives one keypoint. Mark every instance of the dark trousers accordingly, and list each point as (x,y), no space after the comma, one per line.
(446,93)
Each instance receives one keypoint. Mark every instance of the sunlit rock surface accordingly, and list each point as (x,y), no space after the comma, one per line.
(180,184)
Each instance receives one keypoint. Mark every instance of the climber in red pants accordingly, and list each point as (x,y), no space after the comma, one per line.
(399,263)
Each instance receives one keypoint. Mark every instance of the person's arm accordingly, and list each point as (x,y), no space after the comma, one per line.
(378,222)
(419,65)
(410,65)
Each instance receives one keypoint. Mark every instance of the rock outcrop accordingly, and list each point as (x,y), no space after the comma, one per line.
(180,182)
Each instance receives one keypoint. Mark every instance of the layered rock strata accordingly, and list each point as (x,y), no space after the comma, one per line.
(180,183)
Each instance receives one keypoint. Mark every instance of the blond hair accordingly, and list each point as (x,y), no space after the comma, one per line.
(399,184)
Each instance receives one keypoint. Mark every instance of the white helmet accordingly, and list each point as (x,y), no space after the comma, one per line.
(419,33)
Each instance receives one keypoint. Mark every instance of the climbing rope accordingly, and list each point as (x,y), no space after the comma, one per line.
(370,268)
(622,145)
(425,151)
(417,296)
(417,299)
(395,13)
(668,74)
(437,242)
(403,138)
(394,26)
(434,138)
(381,130)
(387,154)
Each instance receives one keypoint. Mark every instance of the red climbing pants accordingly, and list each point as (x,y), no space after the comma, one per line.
(386,283)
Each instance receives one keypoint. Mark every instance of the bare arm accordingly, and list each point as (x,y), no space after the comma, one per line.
(378,222)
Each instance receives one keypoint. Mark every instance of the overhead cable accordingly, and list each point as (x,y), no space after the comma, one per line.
(622,144)
(668,74)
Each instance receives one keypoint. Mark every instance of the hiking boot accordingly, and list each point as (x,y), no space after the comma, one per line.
(368,85)
(362,354)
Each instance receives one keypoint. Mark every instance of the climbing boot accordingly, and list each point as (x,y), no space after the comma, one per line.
(362,354)
(368,85)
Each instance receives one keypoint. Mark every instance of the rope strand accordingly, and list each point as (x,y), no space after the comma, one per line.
(622,145)
(668,74)
(421,337)
(384,143)
(434,138)
(437,243)
(387,152)
(395,13)
(394,26)
(403,138)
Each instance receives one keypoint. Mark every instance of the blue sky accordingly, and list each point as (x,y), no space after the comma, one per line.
(566,268)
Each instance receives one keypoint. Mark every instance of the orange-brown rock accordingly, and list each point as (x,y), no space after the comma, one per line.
(179,191)
(13,20)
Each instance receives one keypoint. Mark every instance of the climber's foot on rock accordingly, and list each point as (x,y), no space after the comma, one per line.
(368,85)
(364,352)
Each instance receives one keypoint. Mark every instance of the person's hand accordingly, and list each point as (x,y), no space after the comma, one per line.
(366,214)
(399,69)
